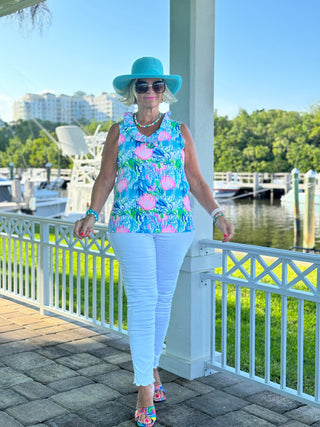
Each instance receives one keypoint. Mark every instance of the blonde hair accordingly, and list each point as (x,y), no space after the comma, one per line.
(129,96)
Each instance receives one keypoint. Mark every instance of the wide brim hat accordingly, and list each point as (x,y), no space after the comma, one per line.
(147,67)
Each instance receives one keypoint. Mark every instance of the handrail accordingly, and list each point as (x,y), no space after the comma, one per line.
(45,264)
(262,298)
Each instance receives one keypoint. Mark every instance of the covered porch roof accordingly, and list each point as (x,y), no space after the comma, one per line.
(8,7)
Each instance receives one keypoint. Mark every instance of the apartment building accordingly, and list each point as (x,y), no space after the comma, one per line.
(65,108)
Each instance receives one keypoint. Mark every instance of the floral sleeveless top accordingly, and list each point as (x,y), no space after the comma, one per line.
(151,193)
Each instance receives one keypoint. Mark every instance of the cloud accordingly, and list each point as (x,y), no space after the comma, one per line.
(6,108)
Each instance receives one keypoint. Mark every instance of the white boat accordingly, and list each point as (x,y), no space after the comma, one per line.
(223,190)
(85,152)
(46,203)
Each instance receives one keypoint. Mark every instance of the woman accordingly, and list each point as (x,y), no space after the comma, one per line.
(151,163)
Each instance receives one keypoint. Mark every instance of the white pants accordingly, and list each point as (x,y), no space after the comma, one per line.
(150,265)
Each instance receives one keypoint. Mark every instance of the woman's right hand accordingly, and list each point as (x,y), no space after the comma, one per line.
(226,228)
(84,226)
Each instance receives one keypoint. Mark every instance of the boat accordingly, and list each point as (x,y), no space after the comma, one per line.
(43,202)
(85,151)
(223,190)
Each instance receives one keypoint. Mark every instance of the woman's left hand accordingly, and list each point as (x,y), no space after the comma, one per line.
(225,227)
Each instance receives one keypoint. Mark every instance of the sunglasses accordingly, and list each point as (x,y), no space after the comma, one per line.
(158,86)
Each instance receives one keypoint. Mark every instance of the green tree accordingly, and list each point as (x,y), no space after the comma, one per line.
(104,127)
(14,153)
(267,141)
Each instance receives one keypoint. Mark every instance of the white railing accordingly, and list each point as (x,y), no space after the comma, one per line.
(265,302)
(266,317)
(44,264)
(262,179)
(34,172)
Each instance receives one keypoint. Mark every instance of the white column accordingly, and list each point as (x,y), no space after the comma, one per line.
(192,57)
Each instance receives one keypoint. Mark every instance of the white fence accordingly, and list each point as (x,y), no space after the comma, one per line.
(37,172)
(265,302)
(266,317)
(280,180)
(44,264)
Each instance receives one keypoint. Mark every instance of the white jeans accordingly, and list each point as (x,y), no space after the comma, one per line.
(150,265)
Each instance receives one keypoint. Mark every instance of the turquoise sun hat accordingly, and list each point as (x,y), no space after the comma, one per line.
(147,67)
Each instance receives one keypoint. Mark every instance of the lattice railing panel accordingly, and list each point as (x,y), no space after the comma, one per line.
(266,317)
(43,262)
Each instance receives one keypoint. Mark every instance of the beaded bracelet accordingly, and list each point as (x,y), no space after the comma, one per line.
(217,215)
(92,212)
(214,212)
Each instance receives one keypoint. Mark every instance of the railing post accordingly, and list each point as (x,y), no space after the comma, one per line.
(16,195)
(288,181)
(296,212)
(43,268)
(308,227)
(255,184)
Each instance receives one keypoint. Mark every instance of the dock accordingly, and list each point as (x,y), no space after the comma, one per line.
(258,182)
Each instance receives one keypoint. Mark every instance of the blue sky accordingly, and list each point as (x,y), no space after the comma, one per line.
(267,52)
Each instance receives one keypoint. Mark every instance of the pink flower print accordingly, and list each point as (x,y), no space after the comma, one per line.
(147,202)
(186,202)
(167,183)
(183,156)
(122,139)
(121,229)
(164,136)
(122,185)
(168,229)
(143,152)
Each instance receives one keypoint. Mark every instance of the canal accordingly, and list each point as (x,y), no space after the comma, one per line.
(260,222)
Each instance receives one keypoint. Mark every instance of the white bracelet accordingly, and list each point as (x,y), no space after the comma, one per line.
(215,212)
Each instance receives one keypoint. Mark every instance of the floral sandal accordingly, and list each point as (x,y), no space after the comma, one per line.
(158,397)
(150,416)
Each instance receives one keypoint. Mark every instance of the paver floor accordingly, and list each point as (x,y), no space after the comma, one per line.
(58,373)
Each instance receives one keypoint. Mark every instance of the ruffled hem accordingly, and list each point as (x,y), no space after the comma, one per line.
(132,130)
(143,381)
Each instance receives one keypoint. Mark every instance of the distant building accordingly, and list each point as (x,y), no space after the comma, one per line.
(65,108)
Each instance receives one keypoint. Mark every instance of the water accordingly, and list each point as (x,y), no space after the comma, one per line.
(258,222)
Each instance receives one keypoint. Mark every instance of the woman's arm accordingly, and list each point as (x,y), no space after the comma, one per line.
(198,186)
(104,182)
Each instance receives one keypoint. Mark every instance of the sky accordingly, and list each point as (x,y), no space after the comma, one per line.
(267,52)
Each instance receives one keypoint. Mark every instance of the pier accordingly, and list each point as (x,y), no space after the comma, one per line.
(258,182)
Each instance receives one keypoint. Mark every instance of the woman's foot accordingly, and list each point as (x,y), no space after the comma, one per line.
(145,414)
(159,391)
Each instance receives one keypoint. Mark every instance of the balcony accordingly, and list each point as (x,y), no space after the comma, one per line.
(64,348)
